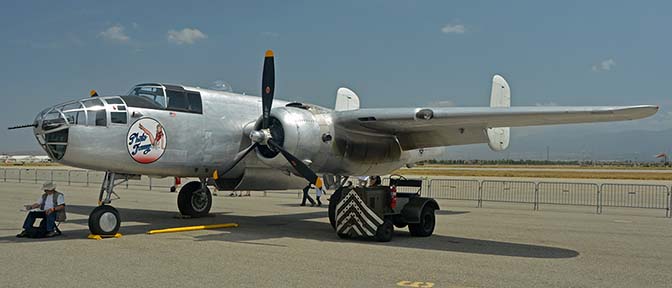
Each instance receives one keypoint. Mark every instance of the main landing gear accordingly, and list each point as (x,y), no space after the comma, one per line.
(194,199)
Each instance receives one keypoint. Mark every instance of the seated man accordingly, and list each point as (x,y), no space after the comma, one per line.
(52,208)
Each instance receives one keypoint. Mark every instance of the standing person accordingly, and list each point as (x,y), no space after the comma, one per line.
(307,196)
(318,192)
(52,208)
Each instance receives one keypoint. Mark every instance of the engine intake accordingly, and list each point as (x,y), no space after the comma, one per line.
(296,130)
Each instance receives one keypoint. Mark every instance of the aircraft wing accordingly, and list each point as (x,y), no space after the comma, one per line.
(444,126)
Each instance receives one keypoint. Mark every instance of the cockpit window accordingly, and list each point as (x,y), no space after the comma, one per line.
(152,93)
(185,101)
(165,97)
(177,100)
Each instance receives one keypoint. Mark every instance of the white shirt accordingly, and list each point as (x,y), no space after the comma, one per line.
(318,191)
(49,202)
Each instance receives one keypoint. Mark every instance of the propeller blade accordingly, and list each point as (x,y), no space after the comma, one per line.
(219,172)
(267,88)
(22,126)
(300,167)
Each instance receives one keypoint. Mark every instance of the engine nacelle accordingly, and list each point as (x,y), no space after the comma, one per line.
(297,130)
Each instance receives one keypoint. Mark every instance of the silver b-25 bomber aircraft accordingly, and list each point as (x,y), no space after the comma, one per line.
(175,130)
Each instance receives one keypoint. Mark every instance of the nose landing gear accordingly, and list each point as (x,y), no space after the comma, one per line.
(105,219)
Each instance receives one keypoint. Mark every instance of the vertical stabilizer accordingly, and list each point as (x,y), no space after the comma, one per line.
(499,97)
(346,99)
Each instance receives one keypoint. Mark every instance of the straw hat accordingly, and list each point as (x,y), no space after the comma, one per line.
(49,186)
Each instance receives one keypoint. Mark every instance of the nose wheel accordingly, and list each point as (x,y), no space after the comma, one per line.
(104,219)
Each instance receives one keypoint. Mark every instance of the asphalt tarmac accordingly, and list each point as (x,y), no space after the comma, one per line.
(280,244)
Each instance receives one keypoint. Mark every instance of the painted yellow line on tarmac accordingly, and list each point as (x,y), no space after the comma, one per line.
(193,228)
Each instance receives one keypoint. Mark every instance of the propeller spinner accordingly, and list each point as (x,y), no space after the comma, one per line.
(263,136)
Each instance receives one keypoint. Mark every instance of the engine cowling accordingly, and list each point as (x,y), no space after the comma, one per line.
(298,131)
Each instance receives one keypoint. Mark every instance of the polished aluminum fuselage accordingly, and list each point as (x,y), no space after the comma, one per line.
(196,144)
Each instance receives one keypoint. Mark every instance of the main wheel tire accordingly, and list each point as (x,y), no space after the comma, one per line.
(385,231)
(427,222)
(333,201)
(104,220)
(194,200)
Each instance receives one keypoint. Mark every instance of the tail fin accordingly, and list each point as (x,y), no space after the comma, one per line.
(499,97)
(346,99)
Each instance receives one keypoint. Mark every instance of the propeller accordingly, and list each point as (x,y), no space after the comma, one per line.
(263,136)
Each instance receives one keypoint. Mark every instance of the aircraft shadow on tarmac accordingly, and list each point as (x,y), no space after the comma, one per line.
(253,228)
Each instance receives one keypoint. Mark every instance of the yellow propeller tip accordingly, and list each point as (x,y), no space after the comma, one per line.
(93,93)
(269,53)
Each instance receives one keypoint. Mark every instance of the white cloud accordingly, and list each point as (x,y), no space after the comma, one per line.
(454,28)
(115,33)
(186,36)
(605,65)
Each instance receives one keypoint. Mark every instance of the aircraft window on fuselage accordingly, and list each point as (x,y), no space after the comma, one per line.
(114,101)
(52,120)
(177,100)
(57,150)
(195,104)
(71,106)
(80,119)
(101,118)
(118,117)
(71,117)
(92,103)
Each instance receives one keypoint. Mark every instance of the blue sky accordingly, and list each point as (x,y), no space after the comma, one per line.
(392,53)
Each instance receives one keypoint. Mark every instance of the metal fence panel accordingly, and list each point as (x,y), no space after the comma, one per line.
(454,189)
(12,175)
(28,175)
(77,177)
(635,196)
(508,191)
(43,175)
(564,193)
(96,178)
(59,176)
